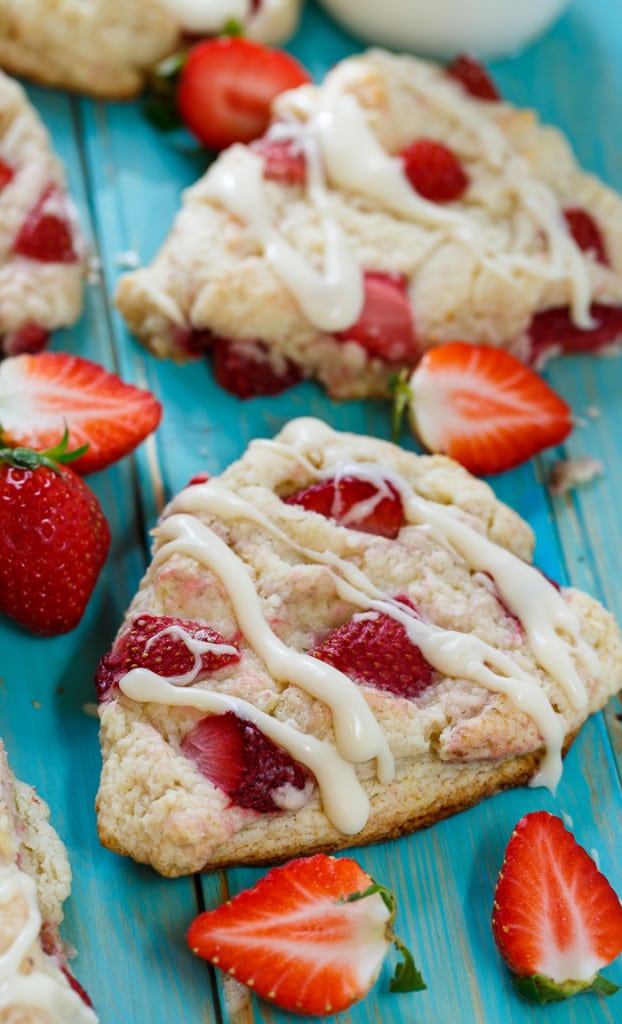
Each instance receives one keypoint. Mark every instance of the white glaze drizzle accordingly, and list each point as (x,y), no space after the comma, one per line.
(36,989)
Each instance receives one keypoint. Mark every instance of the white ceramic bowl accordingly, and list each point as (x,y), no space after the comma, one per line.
(444,28)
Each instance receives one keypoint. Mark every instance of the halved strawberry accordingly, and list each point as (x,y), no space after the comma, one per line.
(377,650)
(244,369)
(553,329)
(556,919)
(586,233)
(434,170)
(284,160)
(254,772)
(482,407)
(41,394)
(474,77)
(356,503)
(165,645)
(47,234)
(310,936)
(386,327)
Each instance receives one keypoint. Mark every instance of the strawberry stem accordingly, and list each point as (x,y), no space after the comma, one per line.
(407,978)
(401,391)
(27,458)
(539,989)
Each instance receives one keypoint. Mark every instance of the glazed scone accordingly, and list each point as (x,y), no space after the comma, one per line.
(337,642)
(313,254)
(35,880)
(107,47)
(42,250)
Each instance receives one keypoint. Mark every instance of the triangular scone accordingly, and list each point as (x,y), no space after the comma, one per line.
(311,254)
(42,251)
(36,986)
(312,670)
(107,47)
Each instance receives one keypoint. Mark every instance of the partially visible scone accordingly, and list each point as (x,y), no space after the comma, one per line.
(107,47)
(35,879)
(337,642)
(42,251)
(386,210)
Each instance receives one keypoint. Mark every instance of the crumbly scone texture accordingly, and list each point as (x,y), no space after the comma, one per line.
(28,841)
(105,48)
(454,744)
(48,294)
(480,275)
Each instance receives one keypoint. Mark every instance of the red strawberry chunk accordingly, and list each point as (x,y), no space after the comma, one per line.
(44,393)
(237,757)
(553,329)
(482,407)
(356,503)
(586,233)
(376,649)
(385,328)
(284,160)
(555,914)
(77,987)
(164,645)
(30,337)
(6,173)
(297,939)
(434,171)
(47,234)
(244,369)
(474,77)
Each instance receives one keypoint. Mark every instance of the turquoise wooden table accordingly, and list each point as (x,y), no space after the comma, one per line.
(129,924)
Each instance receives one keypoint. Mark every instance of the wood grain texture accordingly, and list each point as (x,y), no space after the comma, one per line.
(127,923)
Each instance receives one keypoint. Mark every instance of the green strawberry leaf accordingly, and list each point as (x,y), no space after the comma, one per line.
(407,977)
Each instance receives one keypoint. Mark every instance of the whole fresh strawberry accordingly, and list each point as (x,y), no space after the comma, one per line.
(310,936)
(556,919)
(54,539)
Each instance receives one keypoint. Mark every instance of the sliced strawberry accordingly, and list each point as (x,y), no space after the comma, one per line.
(236,756)
(30,337)
(7,173)
(227,86)
(385,328)
(165,645)
(47,234)
(434,171)
(586,233)
(42,394)
(310,936)
(284,160)
(482,407)
(377,650)
(554,330)
(474,77)
(556,919)
(356,503)
(244,369)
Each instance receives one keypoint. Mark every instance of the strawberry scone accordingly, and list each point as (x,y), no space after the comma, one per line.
(397,205)
(42,251)
(337,642)
(108,47)
(36,986)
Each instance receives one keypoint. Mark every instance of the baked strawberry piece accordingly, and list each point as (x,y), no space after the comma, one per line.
(42,251)
(38,983)
(335,644)
(395,206)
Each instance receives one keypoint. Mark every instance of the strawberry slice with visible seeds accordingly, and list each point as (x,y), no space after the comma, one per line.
(554,330)
(556,920)
(474,77)
(586,233)
(238,758)
(375,648)
(386,327)
(47,234)
(41,394)
(482,407)
(434,171)
(167,646)
(284,160)
(244,369)
(310,936)
(356,503)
